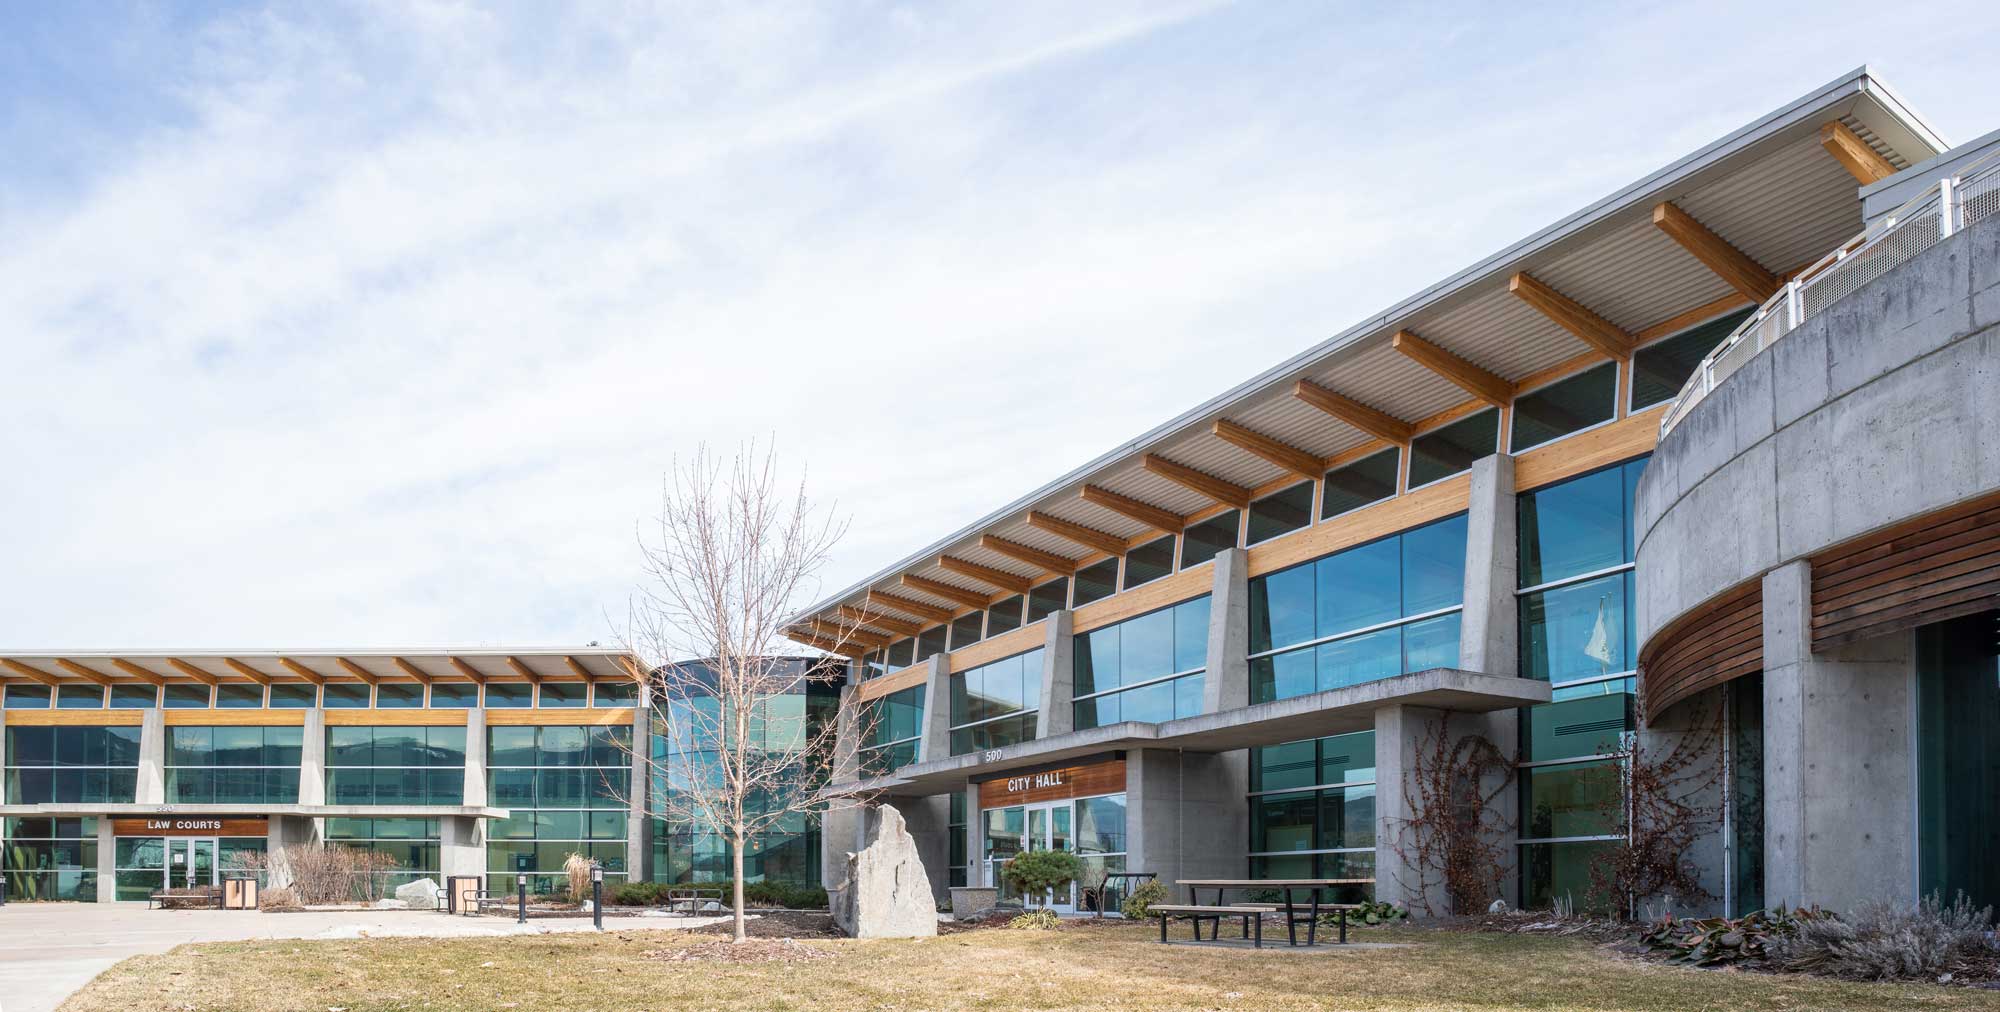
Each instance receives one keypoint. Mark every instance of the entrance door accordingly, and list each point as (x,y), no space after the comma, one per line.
(1049,829)
(190,862)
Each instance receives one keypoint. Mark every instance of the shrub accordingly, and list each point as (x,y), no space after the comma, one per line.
(639,894)
(281,898)
(787,895)
(1036,920)
(1039,871)
(1141,899)
(1718,941)
(1371,912)
(1888,941)
(322,875)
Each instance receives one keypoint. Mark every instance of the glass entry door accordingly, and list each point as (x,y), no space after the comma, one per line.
(190,862)
(1010,831)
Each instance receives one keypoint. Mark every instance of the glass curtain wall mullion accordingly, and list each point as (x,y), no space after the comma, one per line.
(1566,581)
(1312,787)
(1140,685)
(1363,631)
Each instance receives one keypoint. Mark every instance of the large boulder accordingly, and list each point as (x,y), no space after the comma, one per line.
(886,893)
(418,895)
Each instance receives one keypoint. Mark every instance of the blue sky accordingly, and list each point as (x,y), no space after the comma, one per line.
(377,324)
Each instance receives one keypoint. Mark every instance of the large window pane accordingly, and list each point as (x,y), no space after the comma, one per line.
(1586,726)
(1048,598)
(1552,871)
(965,629)
(1359,587)
(1368,480)
(1958,768)
(1202,541)
(1282,609)
(1659,370)
(1577,527)
(1575,799)
(1146,647)
(1096,581)
(1444,452)
(1280,513)
(1565,406)
(1004,617)
(1359,659)
(1577,631)
(1149,561)
(1434,566)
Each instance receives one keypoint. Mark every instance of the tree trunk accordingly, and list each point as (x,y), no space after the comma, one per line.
(736,872)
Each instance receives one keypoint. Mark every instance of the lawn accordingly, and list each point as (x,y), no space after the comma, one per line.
(1087,967)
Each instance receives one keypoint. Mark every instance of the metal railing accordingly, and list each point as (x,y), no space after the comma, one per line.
(1946,207)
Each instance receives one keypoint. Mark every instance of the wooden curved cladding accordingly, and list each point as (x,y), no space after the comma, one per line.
(1938,566)
(1718,642)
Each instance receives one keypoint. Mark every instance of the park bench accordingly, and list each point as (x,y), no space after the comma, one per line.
(1251,913)
(206,897)
(1294,914)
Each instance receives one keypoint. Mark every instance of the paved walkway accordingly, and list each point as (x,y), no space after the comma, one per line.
(49,950)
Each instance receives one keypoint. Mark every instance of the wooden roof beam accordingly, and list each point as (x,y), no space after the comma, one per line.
(1729,263)
(523,670)
(1380,424)
(821,643)
(1048,561)
(986,574)
(1466,376)
(1088,537)
(31,671)
(928,612)
(1164,520)
(302,671)
(358,671)
(88,674)
(140,672)
(247,671)
(847,632)
(901,627)
(195,671)
(937,588)
(1291,458)
(465,668)
(1571,315)
(423,677)
(1860,160)
(632,668)
(1226,493)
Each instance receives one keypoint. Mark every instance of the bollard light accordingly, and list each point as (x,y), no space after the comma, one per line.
(597,894)
(521,887)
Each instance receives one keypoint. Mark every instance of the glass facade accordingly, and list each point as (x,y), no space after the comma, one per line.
(1095,582)
(892,726)
(1746,793)
(1201,542)
(1147,668)
(684,744)
(396,766)
(1091,828)
(1149,561)
(1279,513)
(567,789)
(1368,480)
(233,765)
(49,859)
(72,765)
(1448,450)
(411,845)
(1575,570)
(1312,811)
(996,704)
(1373,611)
(1958,757)
(1566,406)
(1660,369)
(956,827)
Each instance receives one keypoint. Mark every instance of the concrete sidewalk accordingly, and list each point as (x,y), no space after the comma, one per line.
(49,950)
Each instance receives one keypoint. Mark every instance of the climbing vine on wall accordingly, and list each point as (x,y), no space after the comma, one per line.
(1453,844)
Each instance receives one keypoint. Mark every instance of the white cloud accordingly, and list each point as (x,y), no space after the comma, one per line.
(385,329)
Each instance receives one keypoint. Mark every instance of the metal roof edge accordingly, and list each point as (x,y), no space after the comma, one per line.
(1893,103)
(267,652)
(1846,86)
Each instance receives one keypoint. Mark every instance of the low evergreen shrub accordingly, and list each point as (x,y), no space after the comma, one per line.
(1140,900)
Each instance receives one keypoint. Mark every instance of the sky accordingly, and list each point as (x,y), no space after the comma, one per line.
(378,325)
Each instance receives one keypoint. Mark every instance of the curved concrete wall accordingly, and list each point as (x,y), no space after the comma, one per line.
(1882,408)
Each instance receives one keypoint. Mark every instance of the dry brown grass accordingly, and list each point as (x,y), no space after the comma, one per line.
(1097,967)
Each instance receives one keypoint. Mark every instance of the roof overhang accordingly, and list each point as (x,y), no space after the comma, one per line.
(209,666)
(72,810)
(1769,188)
(1334,711)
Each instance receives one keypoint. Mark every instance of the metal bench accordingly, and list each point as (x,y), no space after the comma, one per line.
(1251,913)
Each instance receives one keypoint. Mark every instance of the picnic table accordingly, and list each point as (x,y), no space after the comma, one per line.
(1287,886)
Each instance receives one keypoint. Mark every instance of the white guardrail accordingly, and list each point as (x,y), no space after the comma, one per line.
(1949,205)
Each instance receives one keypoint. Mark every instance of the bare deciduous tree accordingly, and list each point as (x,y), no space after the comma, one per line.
(732,558)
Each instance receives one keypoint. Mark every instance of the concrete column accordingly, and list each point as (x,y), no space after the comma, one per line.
(287,831)
(1186,814)
(1399,735)
(1489,626)
(975,838)
(1489,631)
(638,824)
(152,757)
(107,861)
(936,742)
(840,823)
(312,759)
(462,846)
(1227,684)
(475,757)
(1839,766)
(1058,715)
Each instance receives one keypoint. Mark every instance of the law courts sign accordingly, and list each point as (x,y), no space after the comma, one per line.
(192,825)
